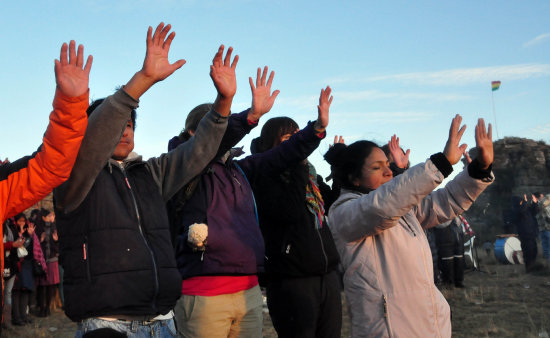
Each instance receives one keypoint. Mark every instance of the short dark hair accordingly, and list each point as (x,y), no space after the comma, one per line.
(348,161)
(195,116)
(96,103)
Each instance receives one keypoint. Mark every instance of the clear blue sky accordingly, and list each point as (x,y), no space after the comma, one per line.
(395,66)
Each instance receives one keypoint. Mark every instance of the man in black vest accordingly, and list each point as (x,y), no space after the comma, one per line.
(120,271)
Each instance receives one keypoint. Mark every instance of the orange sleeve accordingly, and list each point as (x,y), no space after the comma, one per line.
(52,164)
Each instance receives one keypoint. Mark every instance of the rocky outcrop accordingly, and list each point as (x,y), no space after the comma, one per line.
(521,166)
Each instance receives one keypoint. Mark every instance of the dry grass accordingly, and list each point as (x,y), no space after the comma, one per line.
(502,301)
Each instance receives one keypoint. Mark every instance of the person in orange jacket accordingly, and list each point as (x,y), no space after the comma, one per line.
(29,179)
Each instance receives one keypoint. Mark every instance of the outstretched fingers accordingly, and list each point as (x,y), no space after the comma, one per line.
(156,36)
(80,56)
(72,53)
(63,55)
(258,77)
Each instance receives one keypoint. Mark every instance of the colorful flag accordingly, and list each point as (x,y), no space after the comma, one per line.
(495,85)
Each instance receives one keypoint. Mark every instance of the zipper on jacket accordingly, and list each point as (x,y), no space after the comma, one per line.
(85,256)
(323,249)
(409,227)
(154,303)
(387,315)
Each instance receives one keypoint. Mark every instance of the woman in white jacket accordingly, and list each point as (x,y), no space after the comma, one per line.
(377,224)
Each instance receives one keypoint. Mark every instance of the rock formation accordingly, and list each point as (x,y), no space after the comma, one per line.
(521,166)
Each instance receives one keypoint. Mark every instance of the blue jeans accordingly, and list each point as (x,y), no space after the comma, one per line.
(134,329)
(545,239)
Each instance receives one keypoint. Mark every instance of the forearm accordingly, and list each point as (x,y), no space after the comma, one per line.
(222,105)
(382,208)
(105,128)
(237,128)
(447,203)
(138,85)
(32,178)
(288,153)
(174,169)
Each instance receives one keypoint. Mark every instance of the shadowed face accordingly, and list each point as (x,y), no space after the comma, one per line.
(284,138)
(375,172)
(20,222)
(126,143)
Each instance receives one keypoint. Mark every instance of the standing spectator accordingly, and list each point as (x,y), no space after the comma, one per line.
(11,268)
(450,251)
(543,219)
(528,232)
(378,224)
(220,292)
(47,284)
(24,281)
(303,291)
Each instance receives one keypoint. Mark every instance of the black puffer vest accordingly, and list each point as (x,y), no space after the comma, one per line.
(116,250)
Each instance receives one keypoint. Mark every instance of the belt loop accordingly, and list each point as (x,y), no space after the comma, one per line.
(134,326)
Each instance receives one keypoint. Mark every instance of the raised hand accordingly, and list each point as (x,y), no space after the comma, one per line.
(262,98)
(338,139)
(453,149)
(400,158)
(70,77)
(484,144)
(222,73)
(156,65)
(325,100)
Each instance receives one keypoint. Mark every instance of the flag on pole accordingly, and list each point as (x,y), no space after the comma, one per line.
(495,85)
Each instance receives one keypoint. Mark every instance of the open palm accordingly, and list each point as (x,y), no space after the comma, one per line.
(71,78)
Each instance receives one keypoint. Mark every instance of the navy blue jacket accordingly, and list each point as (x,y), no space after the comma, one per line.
(221,198)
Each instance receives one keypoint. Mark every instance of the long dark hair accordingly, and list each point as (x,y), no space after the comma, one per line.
(272,131)
(347,161)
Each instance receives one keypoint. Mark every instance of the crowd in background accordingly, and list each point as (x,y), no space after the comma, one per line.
(31,270)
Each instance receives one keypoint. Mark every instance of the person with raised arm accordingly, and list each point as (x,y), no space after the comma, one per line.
(378,222)
(120,275)
(217,239)
(28,180)
(303,293)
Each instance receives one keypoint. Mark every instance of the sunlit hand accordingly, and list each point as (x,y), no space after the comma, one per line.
(262,98)
(453,149)
(325,100)
(400,159)
(70,77)
(54,236)
(222,72)
(156,66)
(484,144)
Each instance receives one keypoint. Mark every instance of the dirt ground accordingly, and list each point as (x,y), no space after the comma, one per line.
(498,301)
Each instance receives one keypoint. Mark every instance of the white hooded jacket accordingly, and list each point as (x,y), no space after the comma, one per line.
(388,276)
